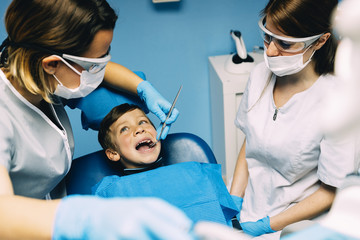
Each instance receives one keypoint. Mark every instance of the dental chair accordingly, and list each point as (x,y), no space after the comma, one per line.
(89,169)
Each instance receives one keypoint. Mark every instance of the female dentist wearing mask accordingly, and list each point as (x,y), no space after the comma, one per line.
(287,170)
(61,49)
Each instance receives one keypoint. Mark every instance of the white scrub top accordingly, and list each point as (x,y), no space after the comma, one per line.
(36,153)
(287,156)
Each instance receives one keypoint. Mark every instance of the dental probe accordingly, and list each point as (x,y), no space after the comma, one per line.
(167,117)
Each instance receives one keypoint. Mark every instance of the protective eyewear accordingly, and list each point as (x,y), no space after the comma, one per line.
(285,44)
(92,65)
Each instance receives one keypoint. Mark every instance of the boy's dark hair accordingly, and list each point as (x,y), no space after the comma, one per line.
(103,135)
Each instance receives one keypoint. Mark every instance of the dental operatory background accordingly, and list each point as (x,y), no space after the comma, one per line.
(171,43)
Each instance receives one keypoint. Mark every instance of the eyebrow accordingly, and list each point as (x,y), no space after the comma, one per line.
(121,125)
(125,123)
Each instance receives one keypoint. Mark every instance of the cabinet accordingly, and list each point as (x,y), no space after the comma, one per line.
(226,91)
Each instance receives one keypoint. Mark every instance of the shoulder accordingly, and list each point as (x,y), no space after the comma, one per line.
(260,70)
(5,104)
(259,79)
(329,84)
(259,76)
(330,80)
(9,96)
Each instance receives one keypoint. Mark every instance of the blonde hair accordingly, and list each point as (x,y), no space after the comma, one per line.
(39,28)
(21,69)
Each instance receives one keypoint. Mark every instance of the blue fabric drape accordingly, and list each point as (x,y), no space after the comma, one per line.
(196,188)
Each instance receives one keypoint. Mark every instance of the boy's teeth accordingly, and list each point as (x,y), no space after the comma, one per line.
(143,142)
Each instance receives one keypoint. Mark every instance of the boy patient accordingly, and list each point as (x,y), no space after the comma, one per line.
(127,135)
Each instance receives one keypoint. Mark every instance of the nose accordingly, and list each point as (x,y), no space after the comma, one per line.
(272,50)
(139,130)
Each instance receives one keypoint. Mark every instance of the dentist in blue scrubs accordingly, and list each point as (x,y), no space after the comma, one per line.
(288,169)
(59,50)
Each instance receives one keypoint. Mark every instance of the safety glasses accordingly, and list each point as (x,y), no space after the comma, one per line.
(92,65)
(285,44)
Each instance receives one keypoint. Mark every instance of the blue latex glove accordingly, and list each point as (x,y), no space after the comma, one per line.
(238,202)
(158,105)
(88,217)
(257,228)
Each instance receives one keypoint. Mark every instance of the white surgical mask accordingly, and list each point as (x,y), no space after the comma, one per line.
(286,65)
(88,83)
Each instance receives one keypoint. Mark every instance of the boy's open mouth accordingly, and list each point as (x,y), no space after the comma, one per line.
(144,145)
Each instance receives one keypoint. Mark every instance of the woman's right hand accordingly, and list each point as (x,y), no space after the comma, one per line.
(90,217)
(158,105)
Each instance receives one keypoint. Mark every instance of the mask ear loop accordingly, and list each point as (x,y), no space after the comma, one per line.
(310,58)
(57,80)
(67,64)
(60,83)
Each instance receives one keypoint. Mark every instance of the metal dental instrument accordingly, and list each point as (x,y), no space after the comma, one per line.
(167,117)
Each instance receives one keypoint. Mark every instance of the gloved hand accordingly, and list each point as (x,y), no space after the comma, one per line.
(90,217)
(238,202)
(158,105)
(257,228)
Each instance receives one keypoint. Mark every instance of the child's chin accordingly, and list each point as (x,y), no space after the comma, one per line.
(145,162)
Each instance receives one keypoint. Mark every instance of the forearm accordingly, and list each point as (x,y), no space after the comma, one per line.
(308,208)
(121,77)
(241,174)
(25,218)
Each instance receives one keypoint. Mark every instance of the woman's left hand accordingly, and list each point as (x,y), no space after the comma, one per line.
(158,105)
(257,228)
